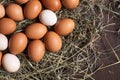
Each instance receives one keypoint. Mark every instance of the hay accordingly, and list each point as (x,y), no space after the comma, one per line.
(77,59)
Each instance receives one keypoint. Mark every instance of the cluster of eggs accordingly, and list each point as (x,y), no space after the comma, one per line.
(36,48)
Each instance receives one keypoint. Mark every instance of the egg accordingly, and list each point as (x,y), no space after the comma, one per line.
(70,4)
(32,9)
(53,5)
(0,57)
(36,31)
(2,11)
(22,1)
(36,50)
(10,62)
(7,26)
(48,17)
(15,12)
(53,41)
(17,43)
(3,42)
(64,26)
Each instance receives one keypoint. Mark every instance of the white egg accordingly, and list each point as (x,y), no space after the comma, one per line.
(3,42)
(48,17)
(10,62)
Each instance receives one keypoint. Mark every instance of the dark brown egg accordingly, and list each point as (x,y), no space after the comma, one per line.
(70,4)
(64,26)
(1,57)
(53,5)
(2,11)
(53,41)
(22,1)
(15,12)
(36,31)
(32,9)
(7,26)
(17,43)
(36,50)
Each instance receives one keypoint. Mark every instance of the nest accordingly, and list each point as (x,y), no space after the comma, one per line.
(80,52)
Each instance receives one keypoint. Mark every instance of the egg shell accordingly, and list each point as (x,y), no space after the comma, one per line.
(3,42)
(64,26)
(36,31)
(32,9)
(2,11)
(36,50)
(53,41)
(15,12)
(17,43)
(48,17)
(7,26)
(22,1)
(1,58)
(70,4)
(10,62)
(53,5)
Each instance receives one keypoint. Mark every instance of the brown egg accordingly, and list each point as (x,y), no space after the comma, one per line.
(36,31)
(64,26)
(70,4)
(22,1)
(53,5)
(53,41)
(14,11)
(7,26)
(36,50)
(1,57)
(32,9)
(2,11)
(17,43)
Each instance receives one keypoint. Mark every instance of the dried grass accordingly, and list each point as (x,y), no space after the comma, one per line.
(77,59)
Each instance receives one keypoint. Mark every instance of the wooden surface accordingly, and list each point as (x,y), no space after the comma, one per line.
(109,49)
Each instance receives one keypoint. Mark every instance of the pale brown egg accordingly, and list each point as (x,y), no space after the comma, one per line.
(70,4)
(17,43)
(36,31)
(32,9)
(22,1)
(1,57)
(7,26)
(15,12)
(2,11)
(36,50)
(64,26)
(53,5)
(53,41)
(11,63)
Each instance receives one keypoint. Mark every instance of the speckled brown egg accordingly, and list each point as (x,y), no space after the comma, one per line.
(53,41)
(17,43)
(32,9)
(36,50)
(22,1)
(15,12)
(70,4)
(64,26)
(2,11)
(53,5)
(7,26)
(1,57)
(36,31)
